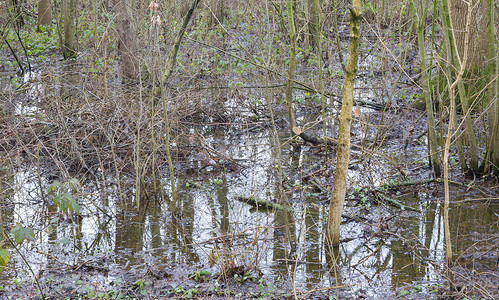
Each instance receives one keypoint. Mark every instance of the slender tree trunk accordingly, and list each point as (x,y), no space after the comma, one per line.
(172,61)
(68,16)
(127,35)
(492,157)
(343,153)
(44,13)
(457,83)
(292,63)
(18,13)
(452,67)
(420,19)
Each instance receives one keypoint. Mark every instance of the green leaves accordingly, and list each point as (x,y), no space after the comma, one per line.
(4,259)
(66,203)
(20,234)
(200,275)
(62,198)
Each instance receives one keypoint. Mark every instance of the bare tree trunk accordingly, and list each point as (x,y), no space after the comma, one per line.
(44,13)
(343,154)
(460,63)
(216,12)
(18,13)
(419,14)
(310,23)
(127,35)
(492,157)
(477,40)
(292,63)
(172,62)
(68,16)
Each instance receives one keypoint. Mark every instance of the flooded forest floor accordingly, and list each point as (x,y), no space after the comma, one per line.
(84,166)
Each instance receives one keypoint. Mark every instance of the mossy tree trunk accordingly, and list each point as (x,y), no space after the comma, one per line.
(343,153)
(492,157)
(292,64)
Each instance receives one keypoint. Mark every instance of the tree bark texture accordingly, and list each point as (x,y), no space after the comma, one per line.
(44,13)
(127,36)
(311,23)
(477,45)
(419,13)
(292,63)
(216,12)
(343,153)
(68,16)
(492,158)
(458,65)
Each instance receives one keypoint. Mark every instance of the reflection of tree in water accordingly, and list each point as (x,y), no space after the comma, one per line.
(7,192)
(179,229)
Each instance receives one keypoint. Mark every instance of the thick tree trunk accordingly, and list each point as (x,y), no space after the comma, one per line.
(216,12)
(68,15)
(311,23)
(44,13)
(127,35)
(343,154)
(459,64)
(477,46)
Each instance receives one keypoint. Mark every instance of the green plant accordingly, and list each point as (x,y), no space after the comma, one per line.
(190,293)
(243,278)
(414,290)
(62,195)
(200,275)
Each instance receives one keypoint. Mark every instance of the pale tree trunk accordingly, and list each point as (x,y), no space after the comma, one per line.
(458,63)
(44,13)
(68,16)
(310,22)
(477,35)
(182,7)
(419,14)
(343,152)
(127,35)
(216,12)
(292,63)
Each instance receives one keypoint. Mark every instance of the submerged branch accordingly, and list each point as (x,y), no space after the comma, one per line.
(395,202)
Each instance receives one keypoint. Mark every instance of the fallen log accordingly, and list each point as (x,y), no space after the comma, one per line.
(257,202)
(395,202)
(312,139)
